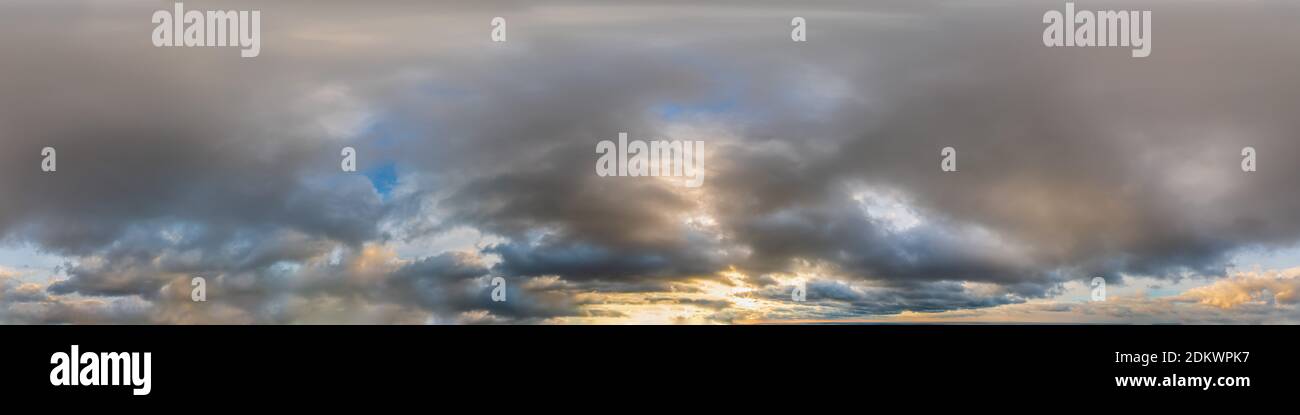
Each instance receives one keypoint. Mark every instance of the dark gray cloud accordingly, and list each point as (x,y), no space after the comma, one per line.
(832,299)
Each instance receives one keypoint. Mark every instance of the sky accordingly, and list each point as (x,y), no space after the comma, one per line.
(477,160)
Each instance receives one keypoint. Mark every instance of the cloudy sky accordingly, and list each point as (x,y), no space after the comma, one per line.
(476,160)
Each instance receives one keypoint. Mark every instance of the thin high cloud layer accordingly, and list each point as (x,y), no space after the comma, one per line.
(476,161)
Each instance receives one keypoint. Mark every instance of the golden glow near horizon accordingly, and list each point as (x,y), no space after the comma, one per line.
(731,299)
(699,301)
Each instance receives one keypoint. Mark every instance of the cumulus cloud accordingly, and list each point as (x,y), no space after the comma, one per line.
(1277,288)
